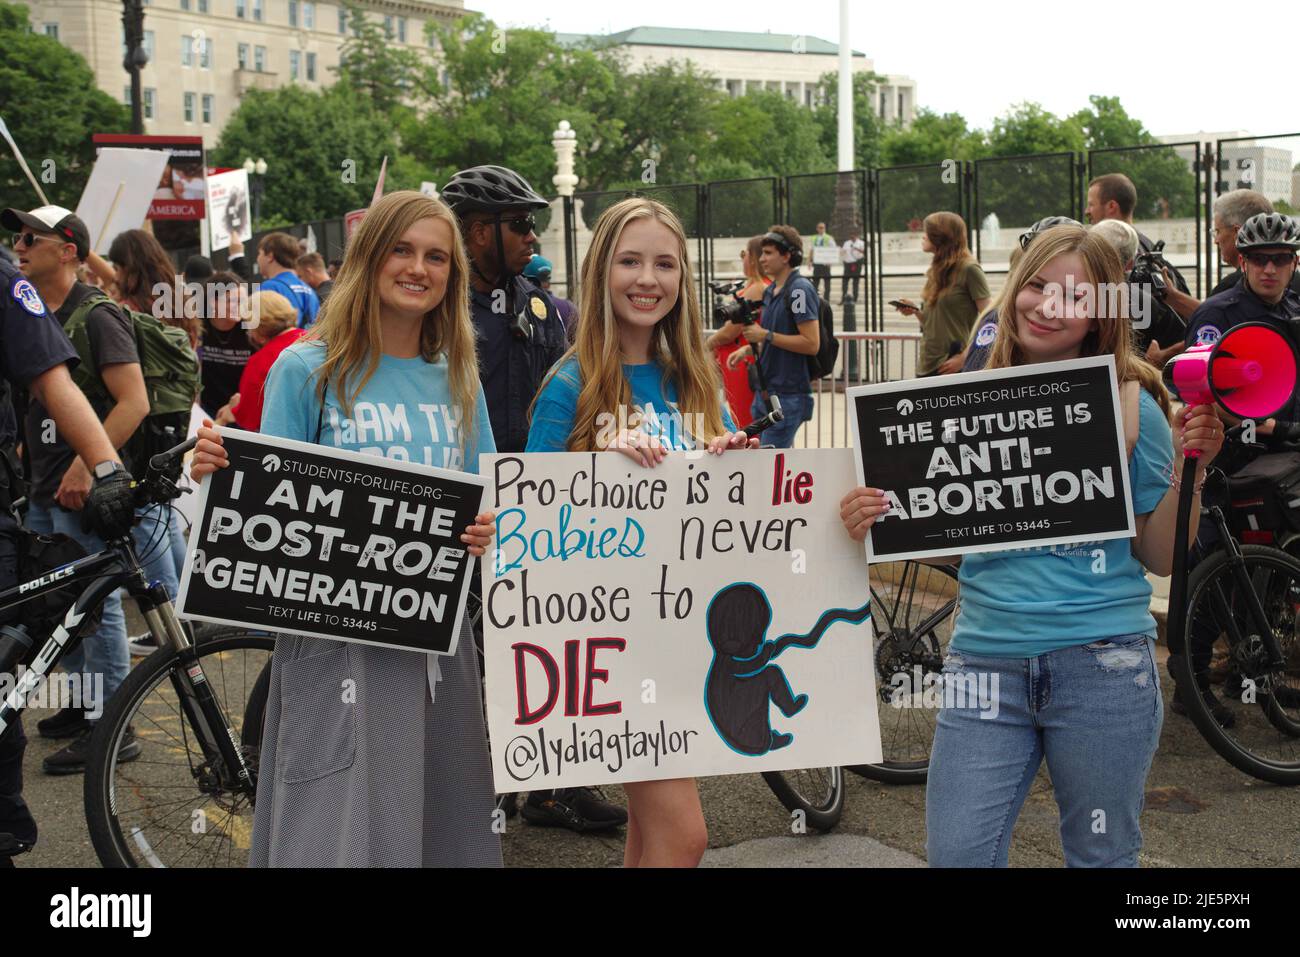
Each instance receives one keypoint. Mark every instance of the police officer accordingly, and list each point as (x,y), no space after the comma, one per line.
(1268,243)
(520,335)
(34,355)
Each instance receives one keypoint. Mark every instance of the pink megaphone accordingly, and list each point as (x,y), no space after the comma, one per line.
(1250,372)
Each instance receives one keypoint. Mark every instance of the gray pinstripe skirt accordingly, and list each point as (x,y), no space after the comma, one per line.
(360,769)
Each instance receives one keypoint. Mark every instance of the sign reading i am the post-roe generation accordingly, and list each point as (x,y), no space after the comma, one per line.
(1005,458)
(301,538)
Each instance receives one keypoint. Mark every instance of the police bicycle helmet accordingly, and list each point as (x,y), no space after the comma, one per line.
(489,189)
(1269,230)
(1047,222)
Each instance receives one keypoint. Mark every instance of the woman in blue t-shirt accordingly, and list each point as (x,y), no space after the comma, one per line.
(1059,641)
(639,381)
(373,756)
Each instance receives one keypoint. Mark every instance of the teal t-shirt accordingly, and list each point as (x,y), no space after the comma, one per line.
(654,399)
(1022,603)
(405,412)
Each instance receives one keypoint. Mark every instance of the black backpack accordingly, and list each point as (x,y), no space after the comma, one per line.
(828,349)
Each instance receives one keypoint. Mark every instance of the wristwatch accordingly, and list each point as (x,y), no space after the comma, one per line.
(767,340)
(107,467)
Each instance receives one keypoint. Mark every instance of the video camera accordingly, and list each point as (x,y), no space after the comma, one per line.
(1148,270)
(728,306)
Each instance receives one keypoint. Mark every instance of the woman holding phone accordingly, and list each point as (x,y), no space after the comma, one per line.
(955,295)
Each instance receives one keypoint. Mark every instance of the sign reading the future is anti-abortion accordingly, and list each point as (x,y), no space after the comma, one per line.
(1027,456)
(707,616)
(301,538)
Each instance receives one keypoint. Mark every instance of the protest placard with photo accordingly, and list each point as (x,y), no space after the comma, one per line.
(228,215)
(1005,458)
(317,541)
(633,618)
(181,192)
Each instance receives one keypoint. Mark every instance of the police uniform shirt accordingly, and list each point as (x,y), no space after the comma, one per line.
(31,342)
(1216,315)
(511,369)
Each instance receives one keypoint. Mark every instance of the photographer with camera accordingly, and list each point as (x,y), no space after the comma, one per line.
(1267,244)
(788,333)
(1164,294)
(737,305)
(34,355)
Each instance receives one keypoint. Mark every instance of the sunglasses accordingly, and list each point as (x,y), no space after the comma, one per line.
(31,239)
(1263,259)
(520,225)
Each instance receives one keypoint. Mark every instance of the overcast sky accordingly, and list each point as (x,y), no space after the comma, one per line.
(1171,64)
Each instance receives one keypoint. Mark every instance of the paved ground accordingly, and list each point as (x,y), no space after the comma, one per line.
(1200,812)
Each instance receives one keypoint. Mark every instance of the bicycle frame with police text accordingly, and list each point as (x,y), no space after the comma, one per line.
(117,566)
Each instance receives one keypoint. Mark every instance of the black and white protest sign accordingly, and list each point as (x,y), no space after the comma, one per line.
(301,538)
(1032,455)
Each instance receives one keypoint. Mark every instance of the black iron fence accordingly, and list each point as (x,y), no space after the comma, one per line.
(997,198)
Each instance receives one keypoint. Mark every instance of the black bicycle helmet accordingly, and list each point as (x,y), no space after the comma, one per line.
(1268,229)
(1047,222)
(489,189)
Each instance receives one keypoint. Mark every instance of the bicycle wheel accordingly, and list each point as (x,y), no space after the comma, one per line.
(474,611)
(913,609)
(817,792)
(169,807)
(1265,738)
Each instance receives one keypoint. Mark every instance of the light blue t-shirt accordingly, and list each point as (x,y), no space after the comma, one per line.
(655,400)
(1022,603)
(405,412)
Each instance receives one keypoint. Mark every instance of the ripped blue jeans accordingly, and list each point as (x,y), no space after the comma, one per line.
(1093,711)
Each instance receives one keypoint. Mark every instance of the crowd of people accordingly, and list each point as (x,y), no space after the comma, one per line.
(446,301)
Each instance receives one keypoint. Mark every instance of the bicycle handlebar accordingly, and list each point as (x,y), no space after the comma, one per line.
(157,486)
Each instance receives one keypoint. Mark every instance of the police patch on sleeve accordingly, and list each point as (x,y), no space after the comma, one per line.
(25,295)
(538,307)
(987,334)
(1208,335)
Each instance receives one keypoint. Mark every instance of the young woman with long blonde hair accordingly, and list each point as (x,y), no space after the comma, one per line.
(955,294)
(1063,634)
(639,381)
(400,776)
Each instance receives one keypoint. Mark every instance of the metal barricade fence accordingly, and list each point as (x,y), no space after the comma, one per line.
(865,357)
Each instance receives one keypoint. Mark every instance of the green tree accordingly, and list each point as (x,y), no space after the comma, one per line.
(49,100)
(496,97)
(867,130)
(324,149)
(373,65)
(932,138)
(1166,185)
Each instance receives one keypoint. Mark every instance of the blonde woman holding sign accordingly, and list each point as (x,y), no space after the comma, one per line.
(640,382)
(376,756)
(1062,634)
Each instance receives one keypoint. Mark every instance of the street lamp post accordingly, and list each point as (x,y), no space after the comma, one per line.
(256,171)
(135,58)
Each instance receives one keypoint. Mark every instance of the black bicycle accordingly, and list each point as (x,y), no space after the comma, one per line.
(1243,627)
(187,798)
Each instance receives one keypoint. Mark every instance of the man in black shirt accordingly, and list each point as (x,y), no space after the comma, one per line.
(34,355)
(1113,196)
